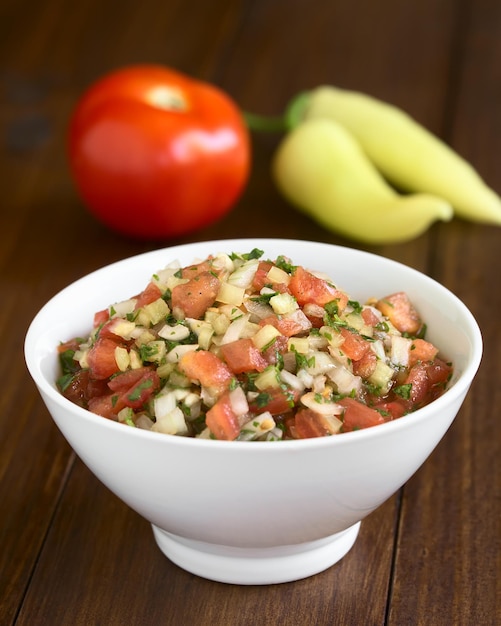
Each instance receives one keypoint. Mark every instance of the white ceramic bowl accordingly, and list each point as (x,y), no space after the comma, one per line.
(255,512)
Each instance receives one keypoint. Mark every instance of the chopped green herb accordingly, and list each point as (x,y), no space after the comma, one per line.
(404,391)
(284,264)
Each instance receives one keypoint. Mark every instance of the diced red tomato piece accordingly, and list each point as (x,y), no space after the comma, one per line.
(101,358)
(392,409)
(285,325)
(72,344)
(369,317)
(151,293)
(260,277)
(427,382)
(140,392)
(309,424)
(439,372)
(197,295)
(420,384)
(308,288)
(357,415)
(243,356)
(221,419)
(279,346)
(401,312)
(366,365)
(104,406)
(421,350)
(76,391)
(354,346)
(191,271)
(276,400)
(101,317)
(207,368)
(289,424)
(126,380)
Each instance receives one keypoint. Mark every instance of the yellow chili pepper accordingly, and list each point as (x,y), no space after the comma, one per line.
(322,169)
(407,154)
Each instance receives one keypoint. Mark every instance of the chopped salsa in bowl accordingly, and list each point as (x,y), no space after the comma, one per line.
(240,347)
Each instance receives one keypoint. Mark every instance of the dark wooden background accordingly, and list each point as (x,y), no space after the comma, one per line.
(71,552)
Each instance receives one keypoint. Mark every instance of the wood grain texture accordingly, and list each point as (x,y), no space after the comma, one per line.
(71,552)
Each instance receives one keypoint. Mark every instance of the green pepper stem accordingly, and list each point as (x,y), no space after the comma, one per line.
(265,124)
(292,117)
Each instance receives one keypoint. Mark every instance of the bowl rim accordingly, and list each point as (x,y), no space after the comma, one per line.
(460,386)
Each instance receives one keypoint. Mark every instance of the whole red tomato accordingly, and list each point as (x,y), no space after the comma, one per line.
(156,154)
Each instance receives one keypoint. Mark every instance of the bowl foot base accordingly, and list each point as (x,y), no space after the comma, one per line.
(255,566)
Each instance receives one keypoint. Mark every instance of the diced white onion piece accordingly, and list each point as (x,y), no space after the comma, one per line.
(81,357)
(230,311)
(267,379)
(176,378)
(157,310)
(135,359)
(257,427)
(300,318)
(177,352)
(122,358)
(283,303)
(142,336)
(205,337)
(334,337)
(250,329)
(319,383)
(122,328)
(345,381)
(171,424)
(258,309)
(310,400)
(265,335)
(164,403)
(218,322)
(235,329)
(292,380)
(178,332)
(299,344)
(314,310)
(339,357)
(400,347)
(305,377)
(238,401)
(223,262)
(144,422)
(378,348)
(382,376)
(174,281)
(275,434)
(277,275)
(126,415)
(161,277)
(121,309)
(319,363)
(230,294)
(332,424)
(244,274)
(155,351)
(317,342)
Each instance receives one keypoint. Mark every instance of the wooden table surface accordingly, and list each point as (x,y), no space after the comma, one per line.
(70,551)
